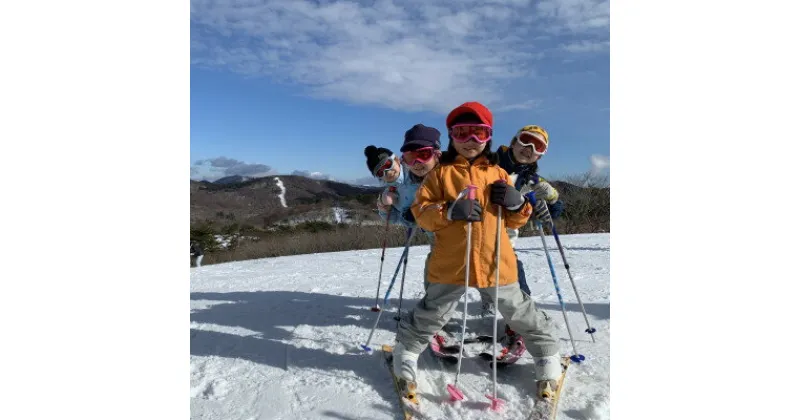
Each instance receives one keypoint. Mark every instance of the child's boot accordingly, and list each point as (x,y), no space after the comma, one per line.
(404,363)
(547,370)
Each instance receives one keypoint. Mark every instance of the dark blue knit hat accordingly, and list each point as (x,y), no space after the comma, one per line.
(420,136)
(376,155)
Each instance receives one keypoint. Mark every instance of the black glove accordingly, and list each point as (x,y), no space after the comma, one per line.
(409,217)
(506,195)
(464,209)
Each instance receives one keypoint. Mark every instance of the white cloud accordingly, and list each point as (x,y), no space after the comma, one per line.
(415,55)
(598,174)
(219,167)
(586,46)
(529,104)
(599,162)
(575,16)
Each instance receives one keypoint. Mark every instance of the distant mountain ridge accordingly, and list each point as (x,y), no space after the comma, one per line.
(256,202)
(232,179)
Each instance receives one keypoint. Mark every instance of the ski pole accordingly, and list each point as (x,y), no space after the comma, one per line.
(577,358)
(402,284)
(377,307)
(589,328)
(386,298)
(410,235)
(497,403)
(378,318)
(455,393)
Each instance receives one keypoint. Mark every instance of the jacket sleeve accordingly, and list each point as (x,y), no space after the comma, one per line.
(382,213)
(429,208)
(517,218)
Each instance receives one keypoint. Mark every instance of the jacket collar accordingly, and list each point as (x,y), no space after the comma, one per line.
(461,161)
(525,173)
(400,178)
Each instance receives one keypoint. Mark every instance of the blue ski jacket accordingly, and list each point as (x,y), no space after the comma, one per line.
(407,184)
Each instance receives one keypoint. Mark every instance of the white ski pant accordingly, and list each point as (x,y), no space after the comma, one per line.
(438,305)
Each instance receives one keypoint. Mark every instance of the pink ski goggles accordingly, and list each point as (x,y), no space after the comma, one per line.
(422,155)
(463,133)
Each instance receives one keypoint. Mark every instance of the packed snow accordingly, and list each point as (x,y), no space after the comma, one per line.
(279,338)
(282,194)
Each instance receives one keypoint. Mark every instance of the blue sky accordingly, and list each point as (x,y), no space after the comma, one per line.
(279,87)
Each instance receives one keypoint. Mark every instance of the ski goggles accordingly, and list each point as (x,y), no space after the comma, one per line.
(384,166)
(533,140)
(462,133)
(421,155)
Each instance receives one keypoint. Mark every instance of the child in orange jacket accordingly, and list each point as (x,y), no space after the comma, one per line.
(469,160)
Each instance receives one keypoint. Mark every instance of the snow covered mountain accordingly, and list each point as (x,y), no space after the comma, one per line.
(279,338)
(279,199)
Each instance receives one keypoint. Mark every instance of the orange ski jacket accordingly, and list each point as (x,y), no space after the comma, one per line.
(448,258)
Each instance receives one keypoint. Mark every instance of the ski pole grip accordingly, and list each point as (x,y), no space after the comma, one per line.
(471,191)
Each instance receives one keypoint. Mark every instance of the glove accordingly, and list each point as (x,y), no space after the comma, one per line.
(540,210)
(506,195)
(382,207)
(545,191)
(387,198)
(464,209)
(408,216)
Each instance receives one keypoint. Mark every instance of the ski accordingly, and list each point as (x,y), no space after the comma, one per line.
(446,347)
(508,355)
(512,349)
(546,408)
(406,393)
(444,351)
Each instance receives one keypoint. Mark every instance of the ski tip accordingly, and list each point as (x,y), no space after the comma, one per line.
(387,348)
(577,358)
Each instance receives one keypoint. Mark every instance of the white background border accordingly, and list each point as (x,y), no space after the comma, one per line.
(94,122)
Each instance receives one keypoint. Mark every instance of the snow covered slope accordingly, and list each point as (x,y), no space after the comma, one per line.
(279,338)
